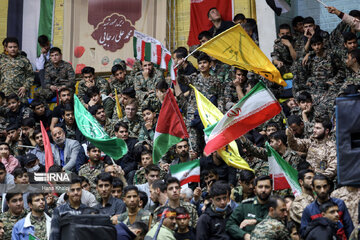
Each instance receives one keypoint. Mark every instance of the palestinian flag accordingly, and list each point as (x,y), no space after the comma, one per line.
(283,174)
(186,172)
(258,106)
(170,127)
(150,49)
(27,20)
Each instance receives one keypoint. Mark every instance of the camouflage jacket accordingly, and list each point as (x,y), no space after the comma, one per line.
(352,78)
(270,229)
(282,53)
(9,222)
(101,83)
(61,75)
(298,205)
(91,173)
(39,227)
(141,216)
(134,125)
(120,86)
(320,154)
(144,86)
(15,73)
(351,196)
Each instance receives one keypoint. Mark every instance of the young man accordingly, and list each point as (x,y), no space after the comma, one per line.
(219,25)
(325,227)
(117,189)
(13,140)
(148,126)
(16,212)
(351,85)
(152,173)
(39,151)
(133,212)
(40,113)
(145,160)
(321,185)
(310,30)
(166,230)
(69,124)
(320,149)
(16,72)
(119,80)
(173,193)
(246,188)
(211,224)
(65,96)
(132,119)
(36,223)
(251,211)
(158,192)
(300,128)
(93,168)
(98,112)
(272,227)
(58,74)
(17,110)
(9,161)
(108,205)
(44,57)
(73,207)
(305,178)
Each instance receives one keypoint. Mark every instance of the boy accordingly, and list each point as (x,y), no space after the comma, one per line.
(184,231)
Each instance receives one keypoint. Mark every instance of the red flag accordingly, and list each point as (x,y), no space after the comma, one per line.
(49,160)
(199,20)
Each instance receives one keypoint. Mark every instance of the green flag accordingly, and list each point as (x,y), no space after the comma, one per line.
(32,237)
(94,132)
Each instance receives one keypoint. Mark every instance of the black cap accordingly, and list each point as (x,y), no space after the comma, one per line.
(29,158)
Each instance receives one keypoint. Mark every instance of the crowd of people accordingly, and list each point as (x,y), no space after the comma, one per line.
(141,200)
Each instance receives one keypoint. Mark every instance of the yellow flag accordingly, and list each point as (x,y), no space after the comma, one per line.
(118,107)
(236,48)
(209,115)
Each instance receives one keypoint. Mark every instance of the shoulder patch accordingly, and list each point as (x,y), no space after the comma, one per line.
(249,200)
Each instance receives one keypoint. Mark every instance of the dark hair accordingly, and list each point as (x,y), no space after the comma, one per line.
(65,89)
(325,206)
(279,135)
(208,14)
(75,179)
(245,72)
(10,195)
(246,176)
(147,107)
(302,173)
(151,167)
(36,131)
(55,169)
(320,176)
(84,179)
(303,165)
(121,124)
(304,97)
(239,17)
(115,68)
(129,92)
(316,39)
(92,91)
(143,197)
(296,20)
(206,172)
(5,143)
(36,102)
(203,57)
(285,26)
(105,177)
(12,96)
(356,54)
(251,82)
(273,201)
(68,107)
(290,225)
(32,195)
(90,146)
(171,180)
(181,52)
(272,124)
(325,121)
(117,183)
(88,69)
(93,109)
(181,210)
(2,166)
(289,196)
(10,40)
(294,119)
(43,40)
(349,36)
(19,171)
(140,226)
(262,178)
(55,49)
(205,34)
(28,122)
(219,188)
(355,13)
(130,188)
(162,84)
(159,184)
(2,95)
(308,20)
(146,152)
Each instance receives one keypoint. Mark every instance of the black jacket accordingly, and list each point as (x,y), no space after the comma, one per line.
(321,229)
(211,225)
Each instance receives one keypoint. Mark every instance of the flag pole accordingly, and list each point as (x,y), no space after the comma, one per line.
(322,3)
(186,57)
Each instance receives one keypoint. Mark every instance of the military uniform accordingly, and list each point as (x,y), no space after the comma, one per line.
(9,222)
(134,125)
(15,73)
(146,135)
(248,209)
(151,101)
(109,127)
(39,227)
(189,207)
(237,194)
(270,229)
(91,173)
(321,154)
(139,177)
(144,86)
(282,53)
(141,216)
(298,205)
(351,196)
(101,83)
(63,74)
(120,86)
(352,81)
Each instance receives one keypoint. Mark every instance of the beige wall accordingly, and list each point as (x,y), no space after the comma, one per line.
(77,32)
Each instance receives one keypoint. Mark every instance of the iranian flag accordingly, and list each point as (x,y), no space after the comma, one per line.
(258,106)
(170,127)
(283,174)
(186,172)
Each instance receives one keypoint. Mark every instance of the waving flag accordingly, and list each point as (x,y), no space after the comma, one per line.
(258,106)
(186,172)
(49,159)
(94,132)
(170,127)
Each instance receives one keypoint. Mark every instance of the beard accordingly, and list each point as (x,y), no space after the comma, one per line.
(320,136)
(263,196)
(59,141)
